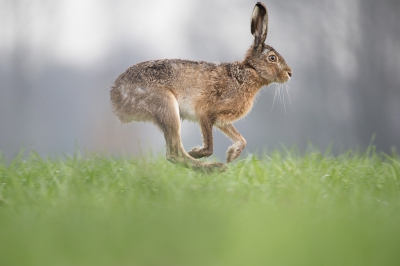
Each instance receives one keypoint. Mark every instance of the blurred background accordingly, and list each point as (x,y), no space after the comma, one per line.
(58,60)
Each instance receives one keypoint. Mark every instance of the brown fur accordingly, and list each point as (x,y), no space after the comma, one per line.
(165,91)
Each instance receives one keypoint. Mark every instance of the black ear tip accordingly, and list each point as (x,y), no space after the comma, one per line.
(259,4)
(261,7)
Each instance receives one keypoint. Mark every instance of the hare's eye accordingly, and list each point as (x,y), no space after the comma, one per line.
(272,58)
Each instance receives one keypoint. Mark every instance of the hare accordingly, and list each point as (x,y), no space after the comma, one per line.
(166,91)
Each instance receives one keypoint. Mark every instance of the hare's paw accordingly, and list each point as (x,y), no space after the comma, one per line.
(209,168)
(200,152)
(233,152)
(215,167)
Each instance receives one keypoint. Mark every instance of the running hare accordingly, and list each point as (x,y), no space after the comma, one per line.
(166,91)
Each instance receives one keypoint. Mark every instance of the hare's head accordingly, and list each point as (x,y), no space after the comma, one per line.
(269,64)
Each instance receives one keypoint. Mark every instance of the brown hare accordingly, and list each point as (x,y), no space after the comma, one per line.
(166,91)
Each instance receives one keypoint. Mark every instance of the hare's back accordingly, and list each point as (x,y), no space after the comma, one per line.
(168,72)
(148,72)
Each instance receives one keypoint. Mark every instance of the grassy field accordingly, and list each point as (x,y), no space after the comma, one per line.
(280,209)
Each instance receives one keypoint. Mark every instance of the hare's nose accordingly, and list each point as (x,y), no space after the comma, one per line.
(290,74)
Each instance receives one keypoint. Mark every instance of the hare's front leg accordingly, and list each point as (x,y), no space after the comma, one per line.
(206,130)
(238,141)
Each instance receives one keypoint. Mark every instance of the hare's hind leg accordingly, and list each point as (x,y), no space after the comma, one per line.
(167,118)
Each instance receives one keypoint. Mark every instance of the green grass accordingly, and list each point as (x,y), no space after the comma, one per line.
(280,209)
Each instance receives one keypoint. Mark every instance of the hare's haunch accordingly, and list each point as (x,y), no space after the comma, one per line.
(166,91)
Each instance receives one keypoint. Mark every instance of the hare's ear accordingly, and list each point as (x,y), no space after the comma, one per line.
(259,24)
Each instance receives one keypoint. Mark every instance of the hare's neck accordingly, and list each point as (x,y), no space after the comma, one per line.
(253,81)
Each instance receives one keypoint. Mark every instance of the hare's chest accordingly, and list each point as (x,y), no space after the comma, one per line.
(234,109)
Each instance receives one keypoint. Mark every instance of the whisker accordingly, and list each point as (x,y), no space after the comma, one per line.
(287,92)
(273,102)
(280,95)
(283,98)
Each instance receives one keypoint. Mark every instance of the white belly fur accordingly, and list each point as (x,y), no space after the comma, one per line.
(186,108)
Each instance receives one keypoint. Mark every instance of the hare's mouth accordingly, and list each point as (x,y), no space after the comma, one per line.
(284,77)
(288,74)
